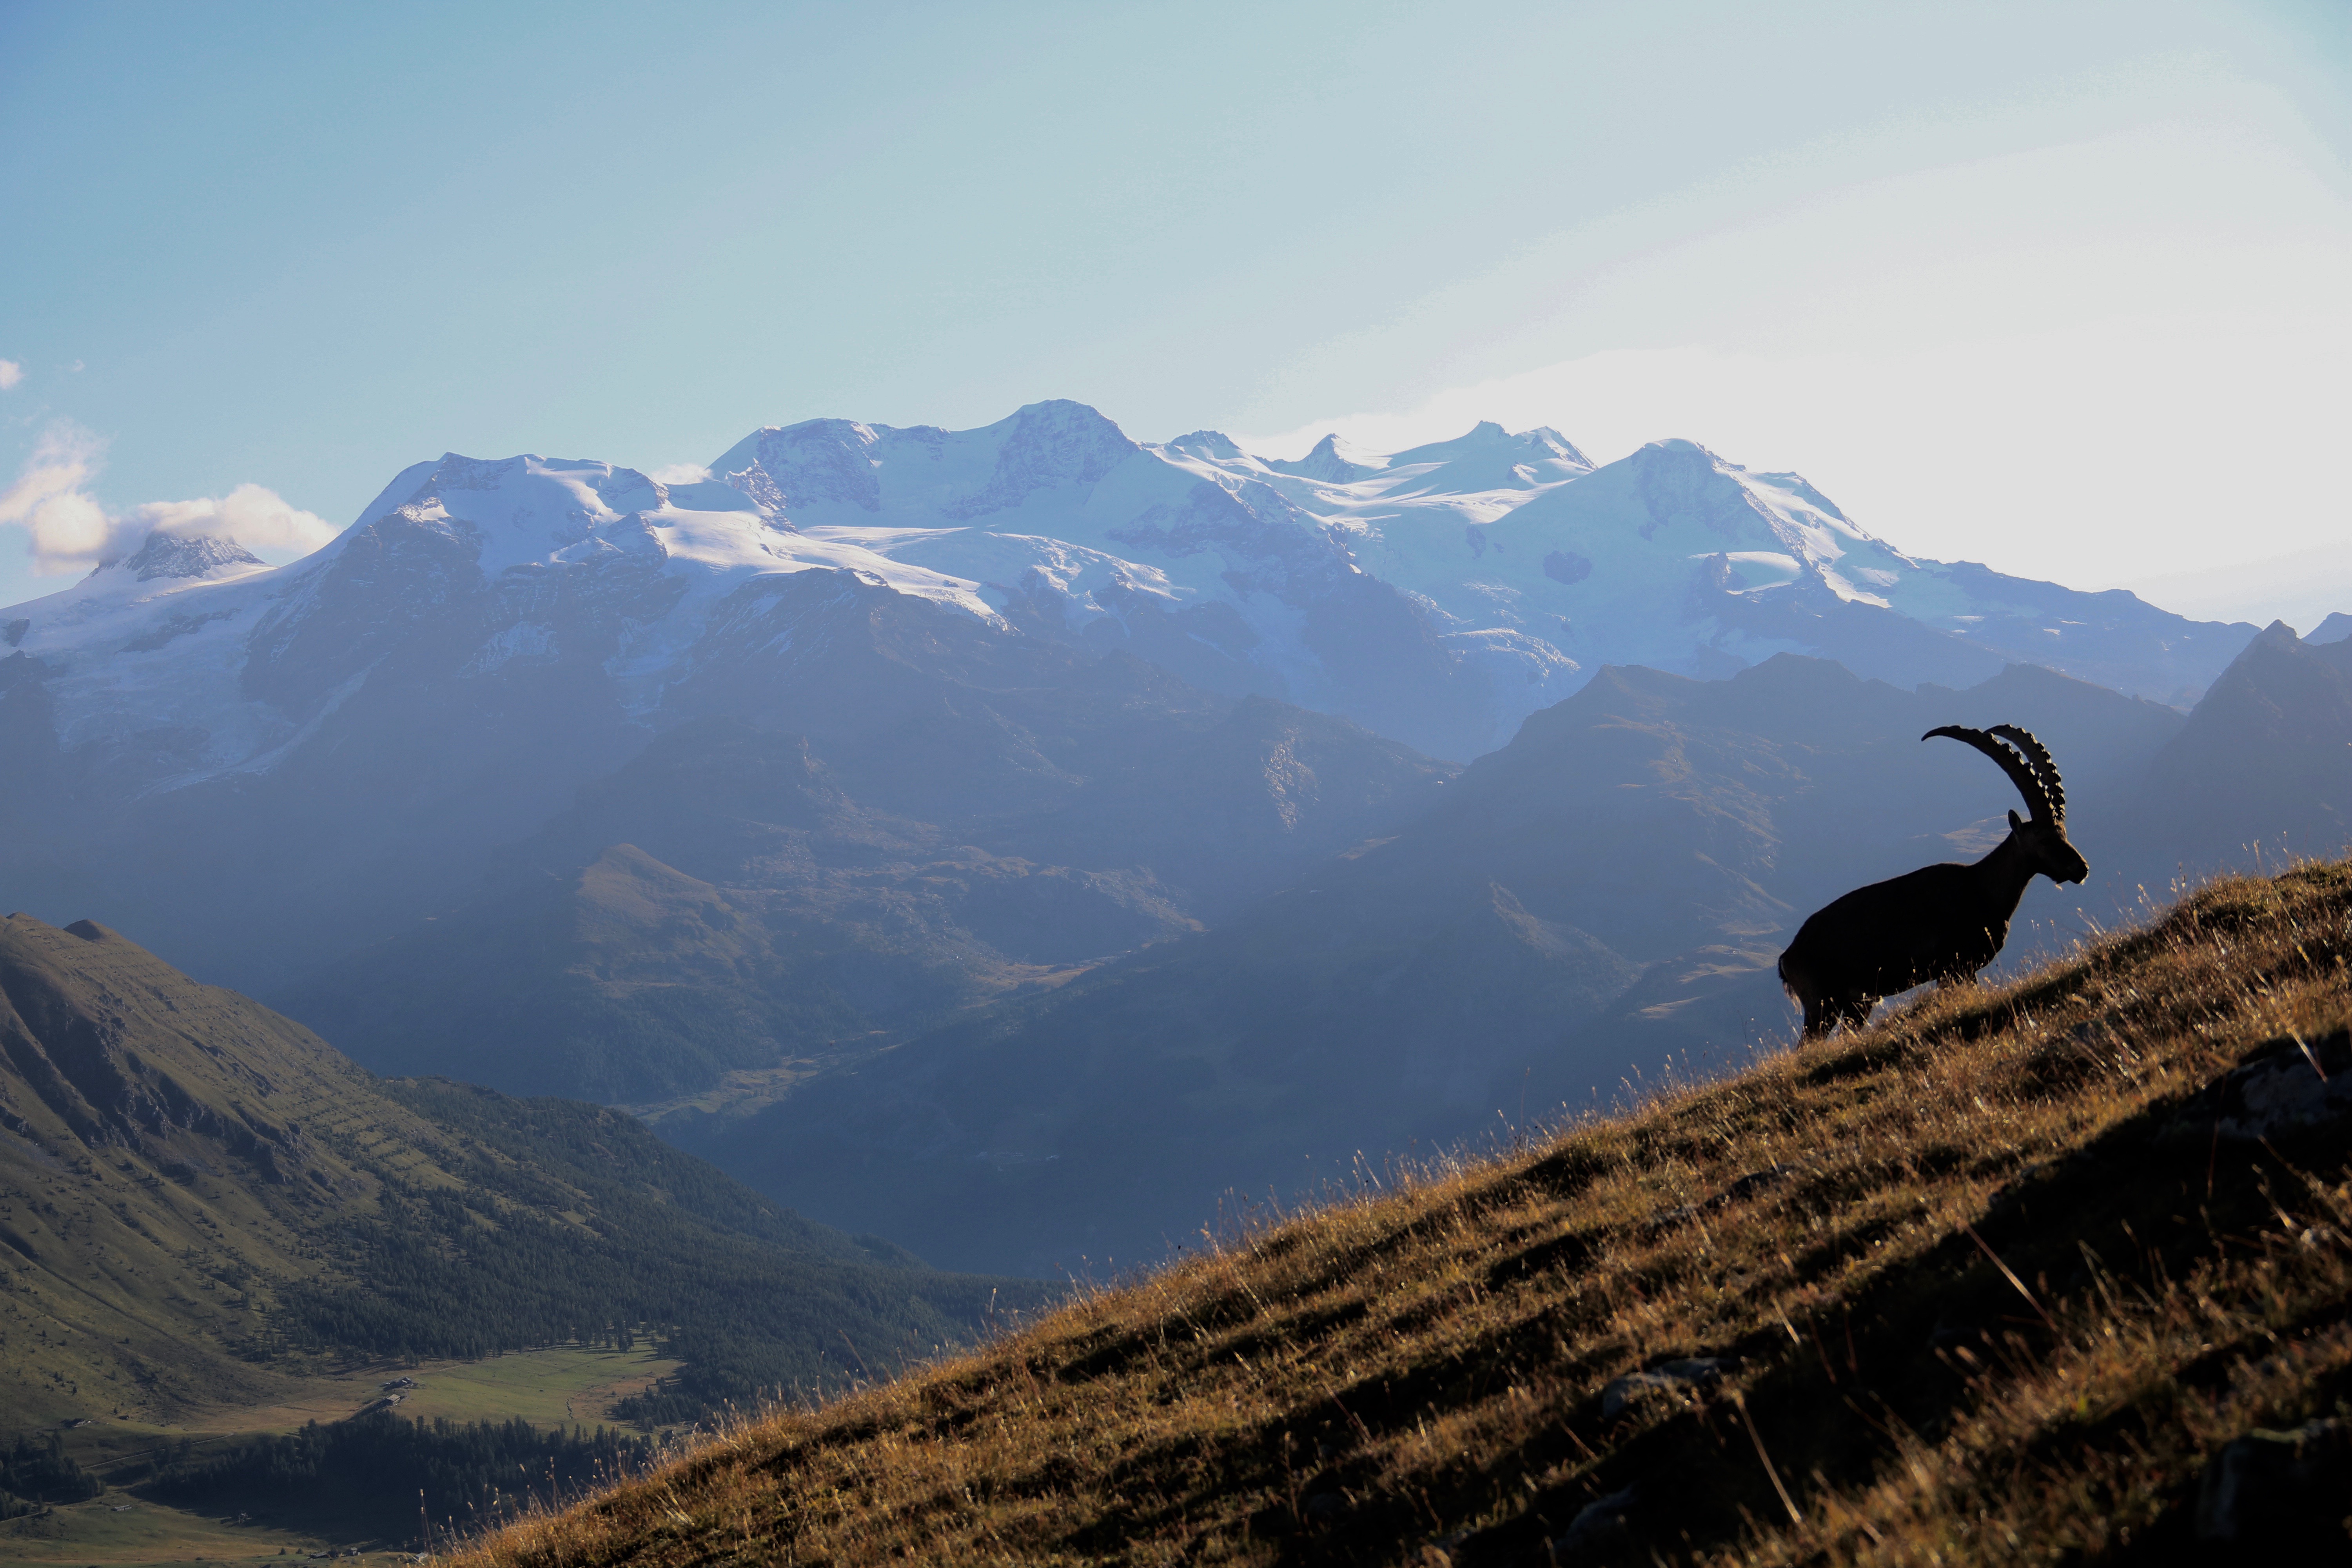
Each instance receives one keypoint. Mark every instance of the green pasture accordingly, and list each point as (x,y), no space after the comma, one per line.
(565,1385)
(570,1385)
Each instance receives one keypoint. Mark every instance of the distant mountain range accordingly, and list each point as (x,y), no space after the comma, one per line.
(1438,595)
(898,814)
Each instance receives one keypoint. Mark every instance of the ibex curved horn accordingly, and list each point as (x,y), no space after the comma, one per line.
(2044,769)
(2015,763)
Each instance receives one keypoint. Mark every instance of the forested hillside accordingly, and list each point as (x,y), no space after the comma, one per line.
(416,1483)
(200,1198)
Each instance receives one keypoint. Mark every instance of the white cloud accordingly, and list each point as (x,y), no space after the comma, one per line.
(48,502)
(11,373)
(72,532)
(679,473)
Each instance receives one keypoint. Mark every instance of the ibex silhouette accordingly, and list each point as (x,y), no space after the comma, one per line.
(1940,922)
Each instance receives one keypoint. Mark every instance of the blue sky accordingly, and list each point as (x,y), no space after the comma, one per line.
(2059,287)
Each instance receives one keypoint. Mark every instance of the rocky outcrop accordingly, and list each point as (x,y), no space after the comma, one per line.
(2288,1085)
(172,555)
(2281,1492)
(1051,445)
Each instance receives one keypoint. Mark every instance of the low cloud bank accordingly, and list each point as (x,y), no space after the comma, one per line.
(70,532)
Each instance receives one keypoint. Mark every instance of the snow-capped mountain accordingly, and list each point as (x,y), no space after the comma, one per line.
(1438,595)
(1525,566)
(207,661)
(1192,555)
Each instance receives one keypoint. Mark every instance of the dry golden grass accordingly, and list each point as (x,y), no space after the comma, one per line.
(1994,1296)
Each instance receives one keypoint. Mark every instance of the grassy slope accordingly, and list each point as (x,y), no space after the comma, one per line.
(1418,1375)
(137,1276)
(201,1202)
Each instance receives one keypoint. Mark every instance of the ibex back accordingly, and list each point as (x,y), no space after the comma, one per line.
(1940,922)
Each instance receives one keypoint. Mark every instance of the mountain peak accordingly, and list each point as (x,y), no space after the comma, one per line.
(1558,445)
(1332,462)
(179,555)
(1679,447)
(1487,441)
(813,463)
(1048,444)
(1206,444)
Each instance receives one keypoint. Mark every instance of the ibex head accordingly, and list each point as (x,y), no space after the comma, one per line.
(2041,834)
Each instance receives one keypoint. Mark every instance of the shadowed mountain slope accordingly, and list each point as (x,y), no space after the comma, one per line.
(2267,759)
(1412,987)
(428,761)
(727,901)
